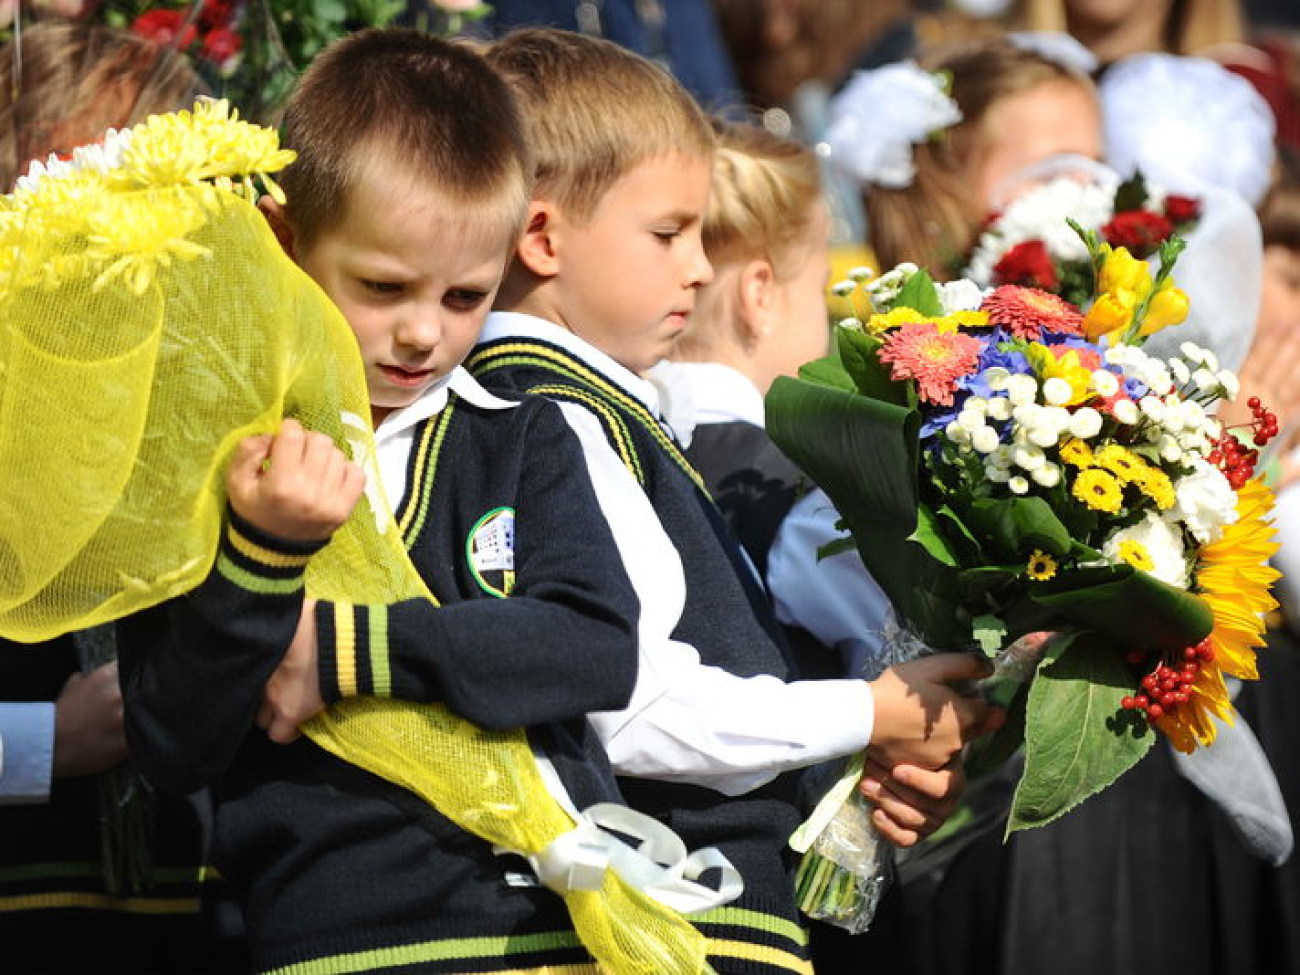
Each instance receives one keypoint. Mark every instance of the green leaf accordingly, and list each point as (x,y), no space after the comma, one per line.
(920,294)
(1078,740)
(835,547)
(1131,194)
(931,537)
(1103,598)
(862,452)
(1013,527)
(827,372)
(871,377)
(990,633)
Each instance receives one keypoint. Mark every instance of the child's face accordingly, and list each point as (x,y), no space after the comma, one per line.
(1053,118)
(629,274)
(415,279)
(1279,300)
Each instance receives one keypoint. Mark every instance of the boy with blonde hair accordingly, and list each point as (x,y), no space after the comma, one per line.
(404,205)
(603,282)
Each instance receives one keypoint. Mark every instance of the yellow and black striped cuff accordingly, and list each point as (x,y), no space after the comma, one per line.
(260,562)
(353,641)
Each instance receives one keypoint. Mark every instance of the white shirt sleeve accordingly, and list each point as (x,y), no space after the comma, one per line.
(689,722)
(26,752)
(833,598)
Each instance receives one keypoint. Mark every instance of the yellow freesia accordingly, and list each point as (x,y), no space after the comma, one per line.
(1107,315)
(1122,273)
(1169,306)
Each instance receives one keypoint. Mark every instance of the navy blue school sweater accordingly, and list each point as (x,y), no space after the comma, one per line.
(337,868)
(727,618)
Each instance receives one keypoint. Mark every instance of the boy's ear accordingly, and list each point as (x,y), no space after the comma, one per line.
(275,216)
(756,305)
(537,250)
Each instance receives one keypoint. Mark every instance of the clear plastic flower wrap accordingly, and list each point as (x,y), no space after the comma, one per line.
(846,864)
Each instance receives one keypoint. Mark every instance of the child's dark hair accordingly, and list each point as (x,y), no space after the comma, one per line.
(411,103)
(65,82)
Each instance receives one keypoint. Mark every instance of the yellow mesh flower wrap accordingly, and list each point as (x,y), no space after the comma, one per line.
(149,321)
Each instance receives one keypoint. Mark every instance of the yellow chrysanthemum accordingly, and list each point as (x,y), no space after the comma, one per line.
(211,142)
(1135,554)
(1076,453)
(898,317)
(134,240)
(1157,486)
(1120,461)
(1099,490)
(1041,566)
(1234,577)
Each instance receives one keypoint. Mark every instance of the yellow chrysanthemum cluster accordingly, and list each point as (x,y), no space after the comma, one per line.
(1104,473)
(127,220)
(956,322)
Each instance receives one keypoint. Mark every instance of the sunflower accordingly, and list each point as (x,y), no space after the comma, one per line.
(1234,577)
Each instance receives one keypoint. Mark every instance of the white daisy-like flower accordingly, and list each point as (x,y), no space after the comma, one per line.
(1085,423)
(1105,383)
(1125,411)
(1018,484)
(1057,391)
(984,439)
(1163,544)
(1048,476)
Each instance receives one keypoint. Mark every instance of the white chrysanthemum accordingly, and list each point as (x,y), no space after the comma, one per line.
(1018,484)
(843,289)
(984,439)
(1105,383)
(1169,448)
(1048,476)
(998,408)
(960,295)
(1204,501)
(1179,370)
(1153,407)
(1085,423)
(996,377)
(1228,383)
(1163,544)
(1057,391)
(861,273)
(1125,411)
(957,434)
(1197,355)
(1029,457)
(1022,389)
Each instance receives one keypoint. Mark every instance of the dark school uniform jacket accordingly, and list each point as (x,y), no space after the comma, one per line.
(331,860)
(727,618)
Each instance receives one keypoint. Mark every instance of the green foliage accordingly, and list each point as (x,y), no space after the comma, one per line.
(1078,740)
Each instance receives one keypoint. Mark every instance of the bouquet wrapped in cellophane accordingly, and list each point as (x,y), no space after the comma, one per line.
(149,321)
(1009,465)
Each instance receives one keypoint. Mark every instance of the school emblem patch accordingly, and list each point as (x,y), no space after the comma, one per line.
(490,551)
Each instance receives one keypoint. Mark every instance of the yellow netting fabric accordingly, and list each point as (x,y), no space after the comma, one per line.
(149,321)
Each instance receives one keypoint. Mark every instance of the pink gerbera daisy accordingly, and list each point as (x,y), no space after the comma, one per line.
(1027,312)
(936,360)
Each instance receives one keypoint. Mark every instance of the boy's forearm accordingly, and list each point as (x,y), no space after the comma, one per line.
(194,670)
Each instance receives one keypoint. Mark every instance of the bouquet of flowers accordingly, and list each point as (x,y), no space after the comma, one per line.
(1029,242)
(1009,465)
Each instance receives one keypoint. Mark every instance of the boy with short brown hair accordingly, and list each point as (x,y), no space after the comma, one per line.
(404,207)
(603,282)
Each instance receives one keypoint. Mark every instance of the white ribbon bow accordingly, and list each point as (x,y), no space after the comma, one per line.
(659,865)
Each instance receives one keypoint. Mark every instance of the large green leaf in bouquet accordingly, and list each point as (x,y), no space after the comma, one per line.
(854,432)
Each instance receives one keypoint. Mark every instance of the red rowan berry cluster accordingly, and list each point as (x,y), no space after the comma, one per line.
(1170,684)
(1236,460)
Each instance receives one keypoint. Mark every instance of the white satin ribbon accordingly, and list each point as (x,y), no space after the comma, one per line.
(659,864)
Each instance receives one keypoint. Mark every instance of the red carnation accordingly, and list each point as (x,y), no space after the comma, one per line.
(165,27)
(1140,232)
(217,13)
(1027,264)
(1182,209)
(220,45)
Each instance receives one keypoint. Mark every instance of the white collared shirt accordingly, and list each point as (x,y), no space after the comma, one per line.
(688,722)
(26,751)
(833,598)
(395,436)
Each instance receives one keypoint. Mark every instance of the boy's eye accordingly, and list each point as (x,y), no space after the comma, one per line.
(464,299)
(381,287)
(667,236)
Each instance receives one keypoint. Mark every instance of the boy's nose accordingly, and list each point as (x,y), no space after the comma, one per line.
(700,270)
(420,329)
